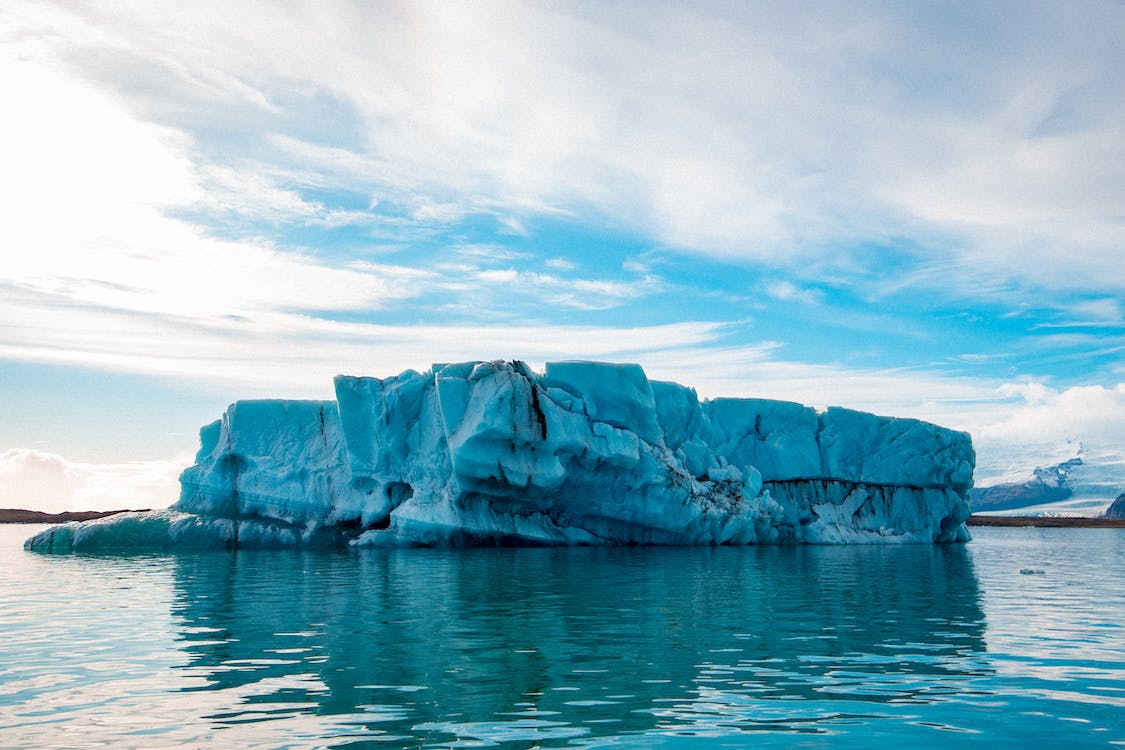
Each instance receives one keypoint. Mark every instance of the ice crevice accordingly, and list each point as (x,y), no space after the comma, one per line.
(492,453)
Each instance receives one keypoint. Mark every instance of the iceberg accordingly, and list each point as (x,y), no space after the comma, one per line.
(586,453)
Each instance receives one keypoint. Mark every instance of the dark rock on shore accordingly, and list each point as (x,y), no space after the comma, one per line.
(18,515)
(1065,522)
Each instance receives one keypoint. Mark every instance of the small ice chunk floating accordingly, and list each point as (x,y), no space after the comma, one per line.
(492,453)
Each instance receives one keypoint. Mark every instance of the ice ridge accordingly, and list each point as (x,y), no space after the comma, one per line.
(492,453)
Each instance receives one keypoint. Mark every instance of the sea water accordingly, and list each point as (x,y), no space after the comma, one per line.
(1013,640)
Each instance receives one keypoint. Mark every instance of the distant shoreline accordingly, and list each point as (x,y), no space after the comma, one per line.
(1054,522)
(17,515)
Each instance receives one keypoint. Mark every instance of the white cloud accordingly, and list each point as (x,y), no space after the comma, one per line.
(1106,313)
(1040,414)
(748,132)
(487,253)
(47,482)
(86,189)
(560,264)
(560,291)
(254,195)
(279,353)
(787,291)
(732,132)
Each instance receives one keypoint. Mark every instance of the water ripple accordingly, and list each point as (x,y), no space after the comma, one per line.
(570,648)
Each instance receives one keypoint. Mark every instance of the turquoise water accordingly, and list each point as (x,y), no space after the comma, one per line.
(914,646)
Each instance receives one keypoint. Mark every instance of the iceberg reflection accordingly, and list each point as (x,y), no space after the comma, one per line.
(562,646)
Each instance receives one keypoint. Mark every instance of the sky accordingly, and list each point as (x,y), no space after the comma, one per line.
(916,209)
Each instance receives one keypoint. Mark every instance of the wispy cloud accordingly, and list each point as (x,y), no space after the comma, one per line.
(1105,312)
(573,292)
(786,291)
(859,125)
(488,253)
(87,218)
(744,133)
(560,264)
(285,353)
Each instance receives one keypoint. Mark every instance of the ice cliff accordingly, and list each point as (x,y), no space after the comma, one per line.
(585,453)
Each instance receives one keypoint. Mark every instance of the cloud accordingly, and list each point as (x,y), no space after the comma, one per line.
(47,482)
(488,254)
(87,189)
(1093,313)
(256,196)
(754,135)
(786,291)
(555,290)
(746,132)
(293,353)
(1040,414)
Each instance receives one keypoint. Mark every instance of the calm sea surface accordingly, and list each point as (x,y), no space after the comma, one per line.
(900,647)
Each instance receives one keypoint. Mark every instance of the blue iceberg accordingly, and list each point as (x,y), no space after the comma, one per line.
(586,453)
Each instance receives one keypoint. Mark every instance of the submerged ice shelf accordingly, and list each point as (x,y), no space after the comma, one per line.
(585,453)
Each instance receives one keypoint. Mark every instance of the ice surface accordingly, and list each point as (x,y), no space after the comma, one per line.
(586,453)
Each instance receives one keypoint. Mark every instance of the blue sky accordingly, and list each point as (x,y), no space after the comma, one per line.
(913,208)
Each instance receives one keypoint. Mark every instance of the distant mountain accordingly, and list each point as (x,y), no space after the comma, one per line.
(1117,509)
(1048,484)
